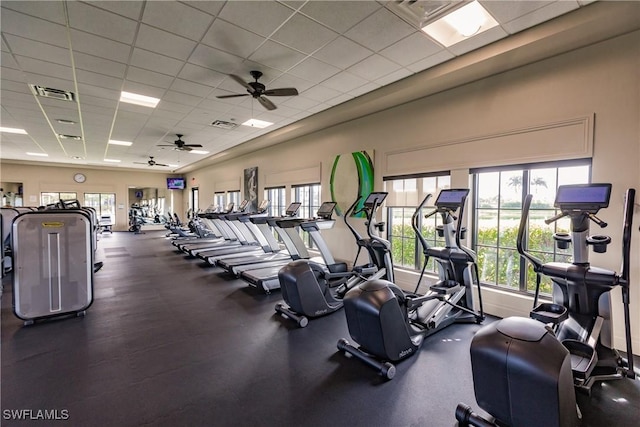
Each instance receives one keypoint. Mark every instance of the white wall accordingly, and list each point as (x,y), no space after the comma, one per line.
(580,104)
(42,178)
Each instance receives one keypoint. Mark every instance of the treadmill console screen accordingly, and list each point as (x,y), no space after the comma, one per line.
(229,207)
(326,209)
(375,197)
(452,197)
(583,196)
(243,205)
(263,205)
(293,209)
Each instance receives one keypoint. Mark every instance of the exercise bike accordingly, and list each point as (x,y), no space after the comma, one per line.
(526,371)
(389,324)
(311,290)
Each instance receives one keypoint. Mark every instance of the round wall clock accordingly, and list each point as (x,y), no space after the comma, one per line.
(79,177)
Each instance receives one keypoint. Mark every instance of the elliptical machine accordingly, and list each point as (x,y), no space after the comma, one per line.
(569,342)
(389,324)
(311,290)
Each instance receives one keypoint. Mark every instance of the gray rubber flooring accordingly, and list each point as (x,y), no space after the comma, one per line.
(169,341)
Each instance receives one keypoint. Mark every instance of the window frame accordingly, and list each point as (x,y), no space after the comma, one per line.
(526,169)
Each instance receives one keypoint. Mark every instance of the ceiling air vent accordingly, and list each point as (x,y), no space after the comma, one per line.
(419,12)
(65,136)
(224,125)
(47,92)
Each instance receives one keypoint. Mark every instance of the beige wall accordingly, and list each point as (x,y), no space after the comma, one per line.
(580,104)
(37,179)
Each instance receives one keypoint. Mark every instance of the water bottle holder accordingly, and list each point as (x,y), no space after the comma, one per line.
(562,240)
(599,243)
(550,313)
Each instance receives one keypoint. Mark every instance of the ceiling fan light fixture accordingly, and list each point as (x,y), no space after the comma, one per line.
(137,99)
(260,124)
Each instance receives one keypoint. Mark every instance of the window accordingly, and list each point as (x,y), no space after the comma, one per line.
(309,196)
(219,200)
(195,199)
(498,208)
(405,194)
(234,197)
(55,197)
(103,203)
(277,200)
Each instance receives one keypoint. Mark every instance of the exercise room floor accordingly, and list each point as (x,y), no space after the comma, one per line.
(169,341)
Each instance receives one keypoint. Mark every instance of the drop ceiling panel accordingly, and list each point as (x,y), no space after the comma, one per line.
(380,30)
(303,34)
(182,53)
(45,52)
(350,13)
(33,28)
(49,10)
(232,39)
(177,18)
(261,17)
(162,42)
(85,17)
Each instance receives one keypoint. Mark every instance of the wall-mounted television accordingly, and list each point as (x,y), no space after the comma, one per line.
(175,183)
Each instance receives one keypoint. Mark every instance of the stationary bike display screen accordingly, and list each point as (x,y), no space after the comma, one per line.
(293,209)
(452,198)
(375,197)
(326,209)
(587,197)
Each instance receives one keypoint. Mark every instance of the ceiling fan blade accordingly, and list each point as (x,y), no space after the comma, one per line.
(192,145)
(140,163)
(241,81)
(166,145)
(266,103)
(160,164)
(232,96)
(284,91)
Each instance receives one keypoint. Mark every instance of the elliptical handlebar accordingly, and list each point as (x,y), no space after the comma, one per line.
(537,264)
(626,234)
(348,213)
(414,222)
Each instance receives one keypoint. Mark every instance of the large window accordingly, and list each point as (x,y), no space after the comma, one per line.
(234,197)
(277,200)
(103,203)
(405,194)
(219,200)
(54,197)
(309,196)
(498,207)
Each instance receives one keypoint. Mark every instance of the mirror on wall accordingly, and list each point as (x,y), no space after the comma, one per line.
(148,204)
(11,194)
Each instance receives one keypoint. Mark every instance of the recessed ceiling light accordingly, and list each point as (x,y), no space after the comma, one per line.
(77,158)
(257,123)
(198,152)
(112,160)
(464,22)
(38,154)
(13,130)
(116,142)
(134,98)
(65,121)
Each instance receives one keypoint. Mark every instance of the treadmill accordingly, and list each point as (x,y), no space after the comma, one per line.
(267,278)
(250,239)
(219,234)
(295,248)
